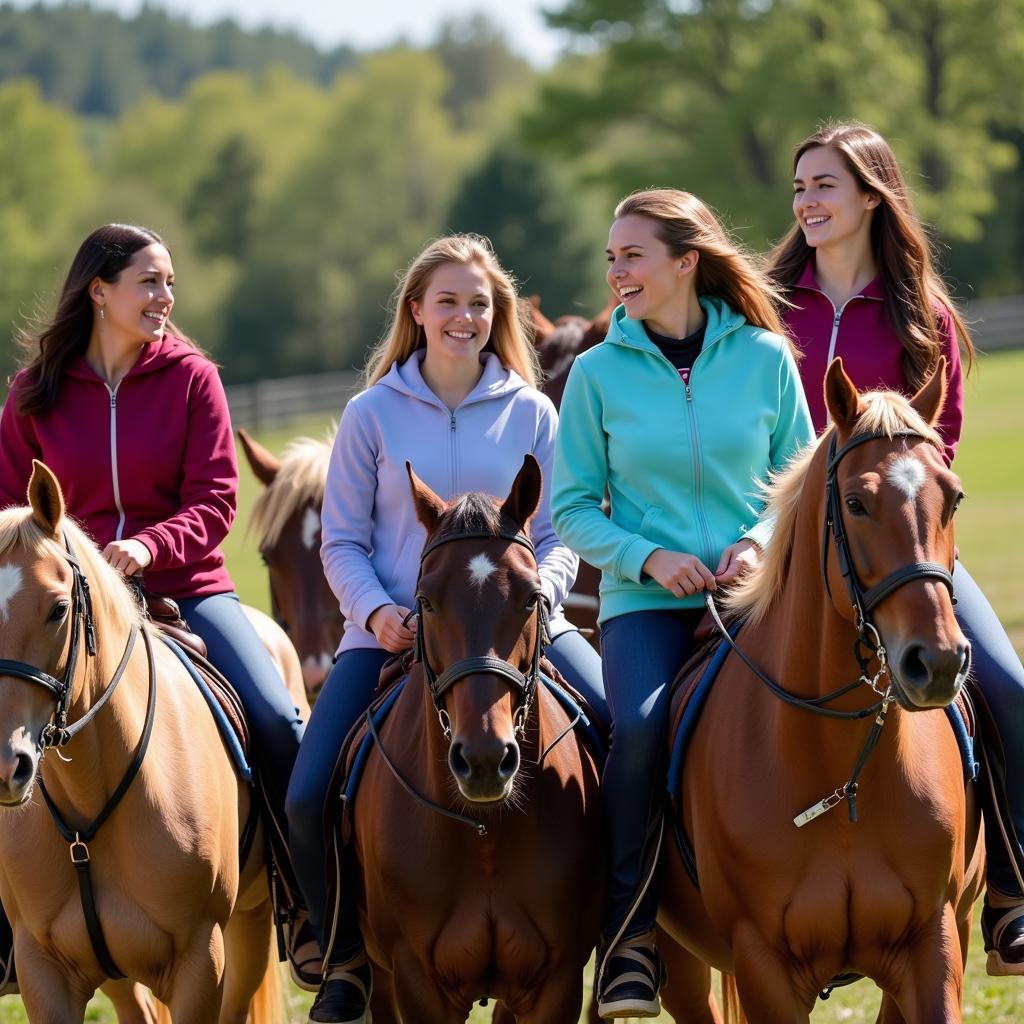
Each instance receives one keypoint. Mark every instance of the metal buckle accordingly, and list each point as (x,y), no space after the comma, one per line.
(79,857)
(446,723)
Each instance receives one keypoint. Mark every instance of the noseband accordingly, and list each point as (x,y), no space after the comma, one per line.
(57,732)
(524,683)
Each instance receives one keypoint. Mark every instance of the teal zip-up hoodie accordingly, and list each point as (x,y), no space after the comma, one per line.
(678,462)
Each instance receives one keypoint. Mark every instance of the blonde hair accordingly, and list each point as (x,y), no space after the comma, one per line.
(724,269)
(510,330)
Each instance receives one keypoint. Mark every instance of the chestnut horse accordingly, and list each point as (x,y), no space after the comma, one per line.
(286,522)
(818,853)
(488,881)
(145,791)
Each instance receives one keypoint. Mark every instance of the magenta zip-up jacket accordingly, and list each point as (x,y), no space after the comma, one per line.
(872,353)
(152,460)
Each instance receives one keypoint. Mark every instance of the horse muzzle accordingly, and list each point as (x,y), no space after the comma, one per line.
(18,763)
(484,767)
(927,676)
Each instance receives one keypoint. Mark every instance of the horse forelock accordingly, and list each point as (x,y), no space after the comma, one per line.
(299,482)
(113,604)
(884,412)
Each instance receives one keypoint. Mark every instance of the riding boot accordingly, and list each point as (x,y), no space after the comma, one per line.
(1002,926)
(8,977)
(631,975)
(344,996)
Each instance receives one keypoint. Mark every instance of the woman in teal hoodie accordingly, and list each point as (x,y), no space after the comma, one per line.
(691,400)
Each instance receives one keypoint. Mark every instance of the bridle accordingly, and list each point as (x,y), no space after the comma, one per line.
(523,682)
(868,644)
(56,733)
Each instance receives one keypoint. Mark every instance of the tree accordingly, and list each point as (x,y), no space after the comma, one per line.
(547,236)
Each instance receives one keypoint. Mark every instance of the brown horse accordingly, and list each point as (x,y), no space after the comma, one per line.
(815,855)
(143,787)
(504,904)
(286,522)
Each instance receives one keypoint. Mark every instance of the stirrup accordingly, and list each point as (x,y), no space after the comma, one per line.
(344,996)
(1002,927)
(632,989)
(298,932)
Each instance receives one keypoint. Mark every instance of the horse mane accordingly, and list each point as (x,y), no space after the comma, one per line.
(471,513)
(884,412)
(299,481)
(112,601)
(561,346)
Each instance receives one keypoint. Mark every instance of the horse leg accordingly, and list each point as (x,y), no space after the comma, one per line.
(889,1013)
(560,1000)
(132,1002)
(49,995)
(247,947)
(931,991)
(197,985)
(417,999)
(687,995)
(382,999)
(766,989)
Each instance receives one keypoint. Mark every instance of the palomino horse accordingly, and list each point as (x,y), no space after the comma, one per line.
(286,522)
(506,903)
(147,799)
(824,846)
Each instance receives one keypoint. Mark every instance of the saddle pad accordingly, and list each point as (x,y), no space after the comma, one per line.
(225,705)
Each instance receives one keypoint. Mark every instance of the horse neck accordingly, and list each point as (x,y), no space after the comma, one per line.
(99,755)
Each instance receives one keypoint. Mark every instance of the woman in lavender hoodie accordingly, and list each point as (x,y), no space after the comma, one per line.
(452,388)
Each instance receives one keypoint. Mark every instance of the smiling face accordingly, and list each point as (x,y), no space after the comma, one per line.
(828,202)
(648,279)
(456,311)
(137,306)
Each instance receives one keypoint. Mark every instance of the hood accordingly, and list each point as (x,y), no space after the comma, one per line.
(721,320)
(495,382)
(155,356)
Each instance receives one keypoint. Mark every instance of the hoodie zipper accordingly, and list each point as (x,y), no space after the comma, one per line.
(113,458)
(452,444)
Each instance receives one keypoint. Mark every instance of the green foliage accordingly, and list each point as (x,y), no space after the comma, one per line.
(97,62)
(540,229)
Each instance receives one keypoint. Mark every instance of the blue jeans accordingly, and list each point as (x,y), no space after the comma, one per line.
(236,649)
(345,696)
(641,653)
(998,673)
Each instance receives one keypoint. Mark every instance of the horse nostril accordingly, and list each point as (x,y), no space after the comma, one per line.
(457,762)
(510,762)
(913,667)
(23,773)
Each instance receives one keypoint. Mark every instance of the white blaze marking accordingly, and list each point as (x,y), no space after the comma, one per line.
(906,474)
(311,528)
(10,584)
(480,569)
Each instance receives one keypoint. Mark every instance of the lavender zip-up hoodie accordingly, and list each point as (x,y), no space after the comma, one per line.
(371,537)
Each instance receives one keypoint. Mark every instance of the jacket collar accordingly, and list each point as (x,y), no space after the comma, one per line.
(721,320)
(809,281)
(495,381)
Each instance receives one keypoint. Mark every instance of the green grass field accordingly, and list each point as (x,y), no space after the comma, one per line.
(991,465)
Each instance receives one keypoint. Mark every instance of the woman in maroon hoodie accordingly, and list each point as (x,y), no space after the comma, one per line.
(133,420)
(858,271)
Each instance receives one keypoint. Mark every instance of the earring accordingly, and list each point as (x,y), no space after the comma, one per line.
(103,315)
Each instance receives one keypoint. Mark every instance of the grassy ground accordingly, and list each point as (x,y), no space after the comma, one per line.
(991,465)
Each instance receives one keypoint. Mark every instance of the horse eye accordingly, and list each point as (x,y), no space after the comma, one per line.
(959,500)
(424,603)
(59,610)
(855,507)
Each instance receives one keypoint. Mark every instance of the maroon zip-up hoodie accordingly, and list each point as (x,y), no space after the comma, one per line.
(872,353)
(153,460)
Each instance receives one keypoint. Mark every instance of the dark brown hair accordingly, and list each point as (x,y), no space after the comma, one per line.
(900,245)
(104,254)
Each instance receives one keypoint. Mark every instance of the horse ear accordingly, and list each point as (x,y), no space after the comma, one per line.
(841,396)
(264,464)
(429,507)
(523,499)
(928,402)
(46,499)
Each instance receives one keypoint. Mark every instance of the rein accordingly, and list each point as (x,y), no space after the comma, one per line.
(438,685)
(868,638)
(57,733)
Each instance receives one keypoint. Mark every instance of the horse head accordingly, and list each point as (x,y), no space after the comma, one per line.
(286,521)
(890,501)
(49,634)
(481,622)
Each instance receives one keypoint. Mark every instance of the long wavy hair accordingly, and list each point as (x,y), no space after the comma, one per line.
(724,269)
(510,328)
(51,347)
(899,244)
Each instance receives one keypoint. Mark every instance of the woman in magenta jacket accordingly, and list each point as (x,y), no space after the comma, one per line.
(133,420)
(857,269)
